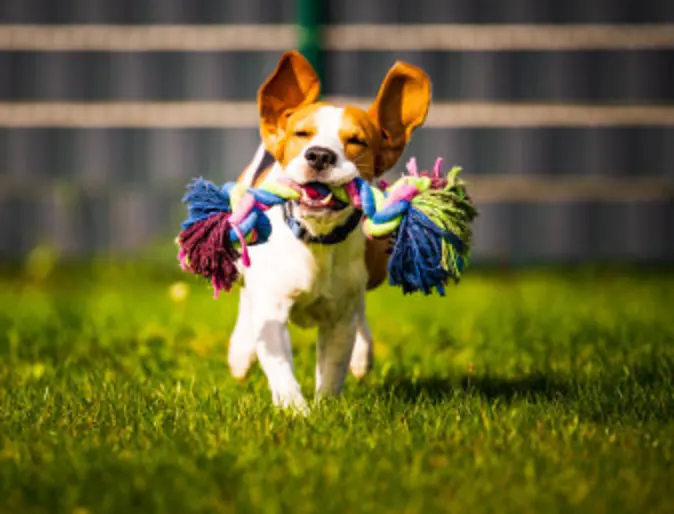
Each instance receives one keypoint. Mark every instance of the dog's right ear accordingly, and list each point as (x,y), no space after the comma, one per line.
(293,84)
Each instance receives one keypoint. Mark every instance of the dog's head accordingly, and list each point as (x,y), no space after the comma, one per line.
(321,143)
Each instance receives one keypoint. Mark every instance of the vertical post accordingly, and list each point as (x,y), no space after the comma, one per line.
(310,21)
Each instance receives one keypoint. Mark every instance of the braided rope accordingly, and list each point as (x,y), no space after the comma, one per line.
(440,203)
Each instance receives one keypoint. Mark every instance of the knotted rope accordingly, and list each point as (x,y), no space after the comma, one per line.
(429,214)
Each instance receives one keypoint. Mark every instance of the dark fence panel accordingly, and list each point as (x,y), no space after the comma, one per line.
(338,11)
(645,76)
(141,156)
(117,189)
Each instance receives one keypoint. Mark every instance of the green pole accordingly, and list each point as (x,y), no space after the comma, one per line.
(310,20)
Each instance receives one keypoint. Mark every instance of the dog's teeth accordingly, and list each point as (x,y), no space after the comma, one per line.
(326,200)
(311,202)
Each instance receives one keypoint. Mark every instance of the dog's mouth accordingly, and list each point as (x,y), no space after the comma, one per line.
(318,197)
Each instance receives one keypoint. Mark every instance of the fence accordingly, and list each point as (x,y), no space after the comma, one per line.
(561,113)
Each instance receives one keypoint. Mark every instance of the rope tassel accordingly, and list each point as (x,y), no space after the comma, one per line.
(428,216)
(433,240)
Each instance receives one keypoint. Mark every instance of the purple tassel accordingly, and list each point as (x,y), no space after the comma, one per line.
(207,250)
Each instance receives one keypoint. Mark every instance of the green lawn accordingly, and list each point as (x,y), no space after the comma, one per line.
(519,392)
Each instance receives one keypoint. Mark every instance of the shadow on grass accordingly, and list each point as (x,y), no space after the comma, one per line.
(438,389)
(641,393)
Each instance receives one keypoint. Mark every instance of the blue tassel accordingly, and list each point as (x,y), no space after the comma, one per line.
(415,263)
(204,199)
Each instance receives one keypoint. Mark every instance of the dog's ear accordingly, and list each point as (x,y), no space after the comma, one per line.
(293,84)
(400,107)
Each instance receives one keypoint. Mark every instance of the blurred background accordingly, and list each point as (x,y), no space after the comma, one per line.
(560,112)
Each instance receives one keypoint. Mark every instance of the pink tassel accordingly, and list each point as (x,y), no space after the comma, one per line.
(412,168)
(245,258)
(437,169)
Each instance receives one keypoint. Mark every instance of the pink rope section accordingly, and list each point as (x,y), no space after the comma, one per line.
(412,168)
(354,195)
(437,169)
(403,192)
(245,257)
(182,258)
(242,209)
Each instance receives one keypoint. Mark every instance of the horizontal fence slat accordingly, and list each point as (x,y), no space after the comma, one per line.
(454,37)
(244,114)
(499,37)
(500,114)
(144,38)
(569,188)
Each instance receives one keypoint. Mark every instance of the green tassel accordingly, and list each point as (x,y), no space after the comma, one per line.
(451,209)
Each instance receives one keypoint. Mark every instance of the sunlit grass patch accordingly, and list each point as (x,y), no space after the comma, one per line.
(535,391)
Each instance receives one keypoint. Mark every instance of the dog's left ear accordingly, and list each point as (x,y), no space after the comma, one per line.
(293,84)
(400,107)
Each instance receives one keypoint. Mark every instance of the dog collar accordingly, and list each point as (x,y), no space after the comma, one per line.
(338,235)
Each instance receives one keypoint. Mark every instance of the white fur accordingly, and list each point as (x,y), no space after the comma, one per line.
(319,286)
(328,122)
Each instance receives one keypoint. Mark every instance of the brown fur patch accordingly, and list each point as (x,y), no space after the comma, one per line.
(292,85)
(299,128)
(262,176)
(376,260)
(358,126)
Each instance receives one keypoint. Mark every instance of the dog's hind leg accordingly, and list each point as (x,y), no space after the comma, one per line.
(242,340)
(362,356)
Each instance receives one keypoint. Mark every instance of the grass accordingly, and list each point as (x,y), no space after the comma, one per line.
(537,391)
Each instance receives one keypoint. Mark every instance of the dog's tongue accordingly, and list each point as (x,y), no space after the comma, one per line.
(316,191)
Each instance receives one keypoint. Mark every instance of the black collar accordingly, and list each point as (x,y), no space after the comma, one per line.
(336,236)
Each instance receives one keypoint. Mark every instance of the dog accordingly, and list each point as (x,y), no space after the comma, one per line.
(317,265)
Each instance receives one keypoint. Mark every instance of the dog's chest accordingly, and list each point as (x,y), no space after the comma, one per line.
(329,285)
(321,281)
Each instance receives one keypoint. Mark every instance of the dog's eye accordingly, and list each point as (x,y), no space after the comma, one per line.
(301,133)
(356,141)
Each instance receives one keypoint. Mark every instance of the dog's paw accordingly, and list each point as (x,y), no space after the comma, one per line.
(362,359)
(293,403)
(240,362)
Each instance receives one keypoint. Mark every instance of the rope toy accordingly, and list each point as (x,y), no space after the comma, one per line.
(428,216)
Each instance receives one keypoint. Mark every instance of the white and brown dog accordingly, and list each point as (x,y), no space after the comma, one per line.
(317,265)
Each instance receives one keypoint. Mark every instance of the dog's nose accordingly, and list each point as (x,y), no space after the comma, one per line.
(320,158)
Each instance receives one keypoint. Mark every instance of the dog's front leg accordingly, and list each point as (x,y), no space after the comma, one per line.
(242,341)
(274,352)
(335,344)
